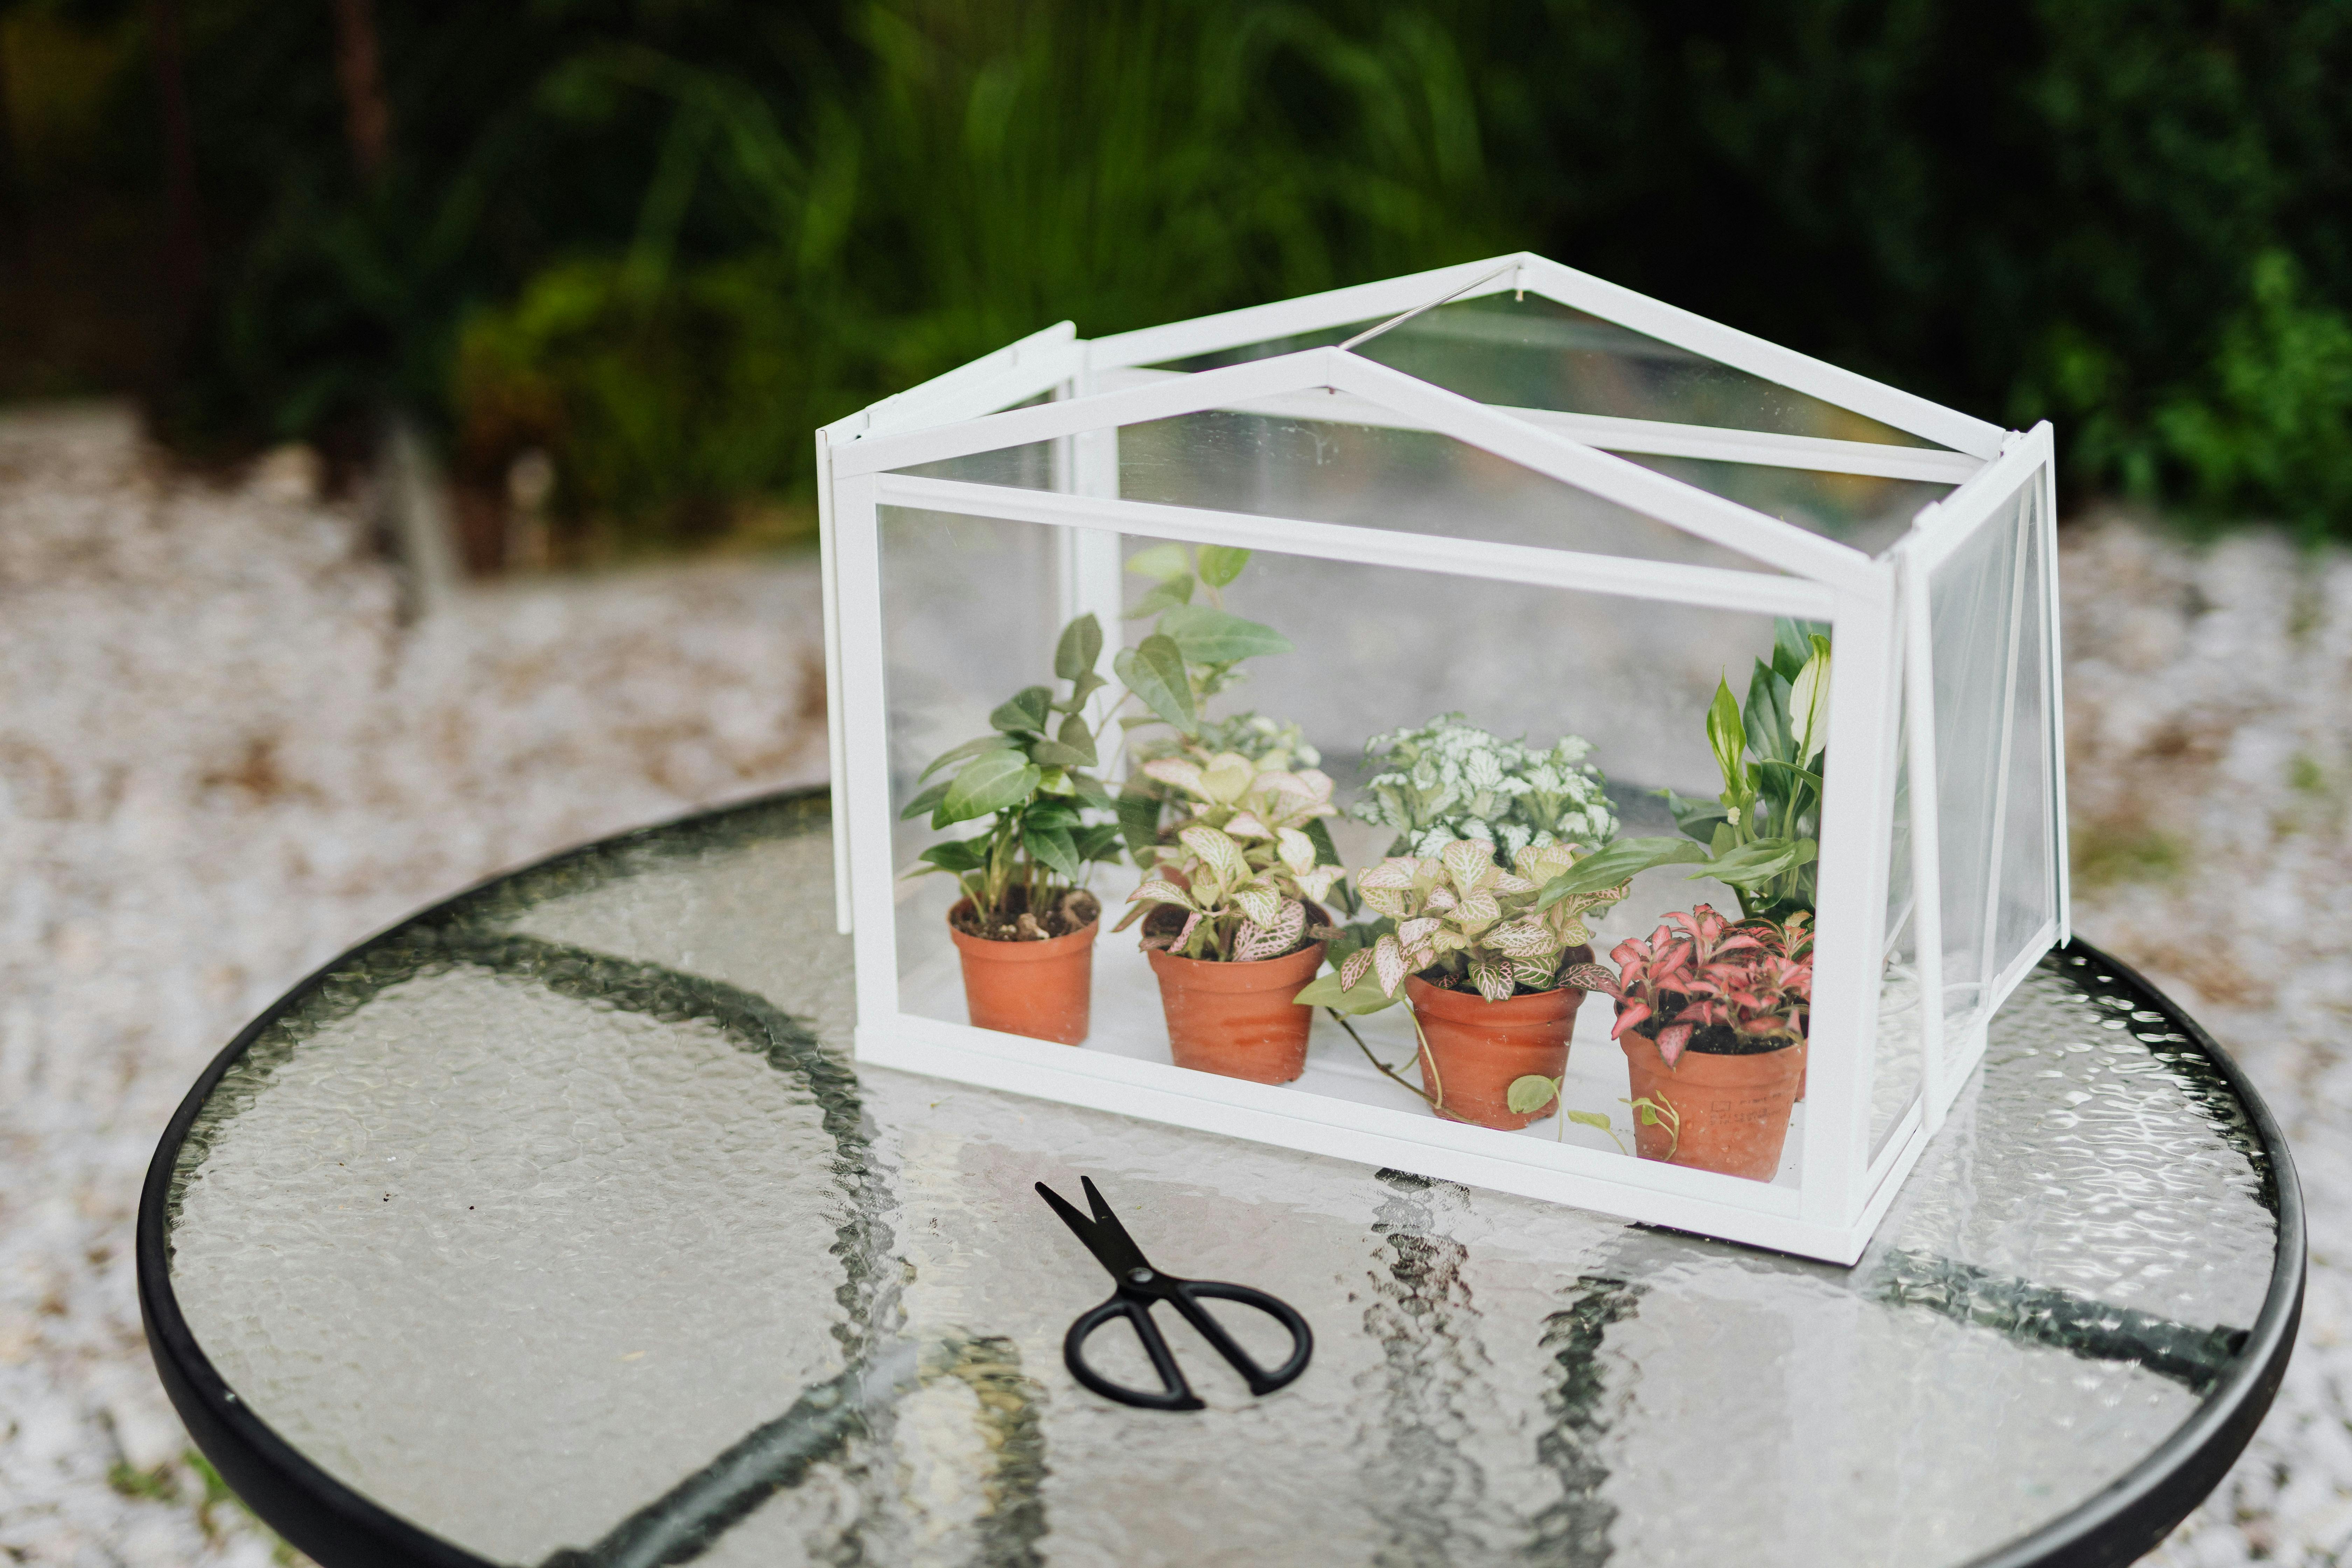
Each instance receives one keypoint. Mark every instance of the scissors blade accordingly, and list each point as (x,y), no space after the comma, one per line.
(1104,1236)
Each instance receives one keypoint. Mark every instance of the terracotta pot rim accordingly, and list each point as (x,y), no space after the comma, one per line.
(1468,1007)
(1016,950)
(1231,974)
(1714,1066)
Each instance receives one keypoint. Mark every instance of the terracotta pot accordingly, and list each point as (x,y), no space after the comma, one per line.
(1042,989)
(1238,1019)
(1734,1110)
(1481,1046)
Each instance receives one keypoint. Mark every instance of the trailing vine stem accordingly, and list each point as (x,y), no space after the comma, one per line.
(1436,1102)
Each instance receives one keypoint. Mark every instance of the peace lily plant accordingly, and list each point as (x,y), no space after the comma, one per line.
(1762,832)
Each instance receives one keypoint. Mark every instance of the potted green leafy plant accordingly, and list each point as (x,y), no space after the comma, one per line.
(1233,921)
(1025,926)
(1762,832)
(1712,1016)
(1492,983)
(1450,780)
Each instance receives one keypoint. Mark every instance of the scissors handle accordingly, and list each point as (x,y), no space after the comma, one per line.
(1174,1392)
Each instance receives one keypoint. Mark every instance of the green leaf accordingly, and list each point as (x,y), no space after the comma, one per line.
(1138,824)
(1591,1119)
(969,749)
(1098,841)
(1161,560)
(990,782)
(926,802)
(1025,712)
(1793,645)
(1207,636)
(1809,707)
(1221,564)
(1051,814)
(1080,648)
(1088,790)
(1052,846)
(1163,596)
(1785,783)
(1054,754)
(958,855)
(1076,734)
(1764,718)
(1319,832)
(1697,818)
(1607,868)
(1325,991)
(1759,861)
(1081,689)
(1154,670)
(1530,1093)
(1726,732)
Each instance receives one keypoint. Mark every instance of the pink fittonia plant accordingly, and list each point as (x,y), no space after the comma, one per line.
(1242,868)
(1699,970)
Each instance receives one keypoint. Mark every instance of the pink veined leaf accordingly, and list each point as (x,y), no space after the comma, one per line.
(1479,907)
(1385,900)
(1185,775)
(1254,942)
(1316,881)
(1466,860)
(1297,851)
(1671,1041)
(1395,874)
(1291,923)
(1260,904)
(1416,933)
(1159,892)
(1505,882)
(1247,825)
(1215,850)
(1352,970)
(1440,899)
(1387,961)
(1186,934)
(1495,982)
(1589,977)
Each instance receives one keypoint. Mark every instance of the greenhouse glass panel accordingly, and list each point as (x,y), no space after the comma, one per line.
(1439,746)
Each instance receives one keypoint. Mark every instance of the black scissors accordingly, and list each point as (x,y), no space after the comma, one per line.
(1139,1285)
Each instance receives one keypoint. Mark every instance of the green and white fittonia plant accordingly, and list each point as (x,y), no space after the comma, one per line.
(1029,778)
(1449,780)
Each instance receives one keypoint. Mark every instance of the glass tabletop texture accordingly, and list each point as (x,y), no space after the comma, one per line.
(559,1223)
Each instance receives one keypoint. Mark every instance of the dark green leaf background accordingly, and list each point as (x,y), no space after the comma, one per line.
(664,242)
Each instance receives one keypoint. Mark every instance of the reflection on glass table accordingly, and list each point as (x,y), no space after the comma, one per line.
(555,1227)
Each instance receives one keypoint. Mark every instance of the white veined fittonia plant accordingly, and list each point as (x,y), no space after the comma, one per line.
(1449,780)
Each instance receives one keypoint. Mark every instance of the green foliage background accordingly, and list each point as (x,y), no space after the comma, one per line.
(664,239)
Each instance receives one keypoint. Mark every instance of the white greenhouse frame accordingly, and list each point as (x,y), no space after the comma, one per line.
(1056,387)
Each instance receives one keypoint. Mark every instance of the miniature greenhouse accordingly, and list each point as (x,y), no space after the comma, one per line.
(1486,723)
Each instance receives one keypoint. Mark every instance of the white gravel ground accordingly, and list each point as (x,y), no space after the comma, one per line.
(223,760)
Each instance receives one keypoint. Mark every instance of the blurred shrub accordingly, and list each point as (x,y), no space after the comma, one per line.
(662,240)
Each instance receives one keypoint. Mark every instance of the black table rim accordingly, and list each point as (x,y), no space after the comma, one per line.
(343,1529)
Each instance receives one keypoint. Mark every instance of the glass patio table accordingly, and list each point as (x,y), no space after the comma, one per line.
(556,1226)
